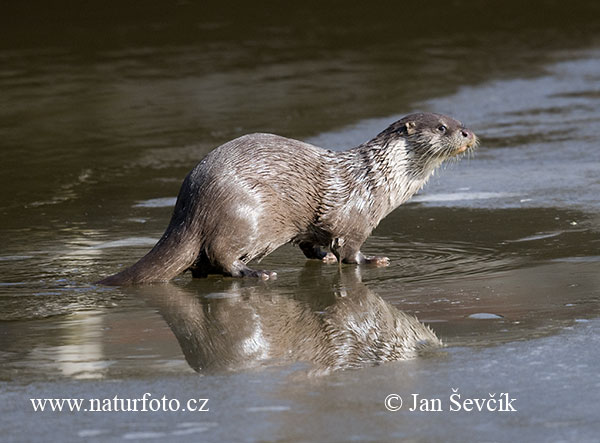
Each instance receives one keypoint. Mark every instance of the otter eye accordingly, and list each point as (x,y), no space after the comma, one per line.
(442,128)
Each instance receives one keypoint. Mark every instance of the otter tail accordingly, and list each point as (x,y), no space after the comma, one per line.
(175,252)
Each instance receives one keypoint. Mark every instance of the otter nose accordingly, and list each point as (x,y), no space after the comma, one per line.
(465,133)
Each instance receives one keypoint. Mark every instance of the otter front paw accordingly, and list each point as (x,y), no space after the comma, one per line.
(329,258)
(266,275)
(377,261)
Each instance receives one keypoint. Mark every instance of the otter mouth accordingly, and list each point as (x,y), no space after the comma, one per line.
(471,144)
(462,149)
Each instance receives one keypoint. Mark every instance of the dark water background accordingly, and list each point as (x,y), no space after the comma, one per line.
(105,107)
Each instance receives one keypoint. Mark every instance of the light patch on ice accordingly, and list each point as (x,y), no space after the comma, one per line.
(189,431)
(129,241)
(15,257)
(195,424)
(485,316)
(90,433)
(163,202)
(268,409)
(457,196)
(536,237)
(586,259)
(218,295)
(142,435)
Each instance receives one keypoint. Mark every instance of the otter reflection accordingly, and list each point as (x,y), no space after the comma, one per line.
(242,326)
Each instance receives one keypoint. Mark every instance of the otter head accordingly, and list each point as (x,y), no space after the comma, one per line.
(432,138)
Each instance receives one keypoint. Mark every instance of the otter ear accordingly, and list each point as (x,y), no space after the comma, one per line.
(410,127)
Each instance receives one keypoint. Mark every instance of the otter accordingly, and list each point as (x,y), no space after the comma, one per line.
(260,191)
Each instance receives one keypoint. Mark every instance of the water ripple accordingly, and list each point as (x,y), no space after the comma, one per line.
(419,261)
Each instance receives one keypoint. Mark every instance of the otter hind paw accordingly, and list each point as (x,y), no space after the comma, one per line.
(239,269)
(262,274)
(378,261)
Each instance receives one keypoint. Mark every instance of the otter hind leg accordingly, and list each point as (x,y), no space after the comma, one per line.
(203,267)
(236,269)
(231,264)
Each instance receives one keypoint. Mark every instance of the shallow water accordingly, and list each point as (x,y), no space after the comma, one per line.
(104,112)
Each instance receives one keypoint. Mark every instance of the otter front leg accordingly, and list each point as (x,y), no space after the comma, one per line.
(348,251)
(313,251)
